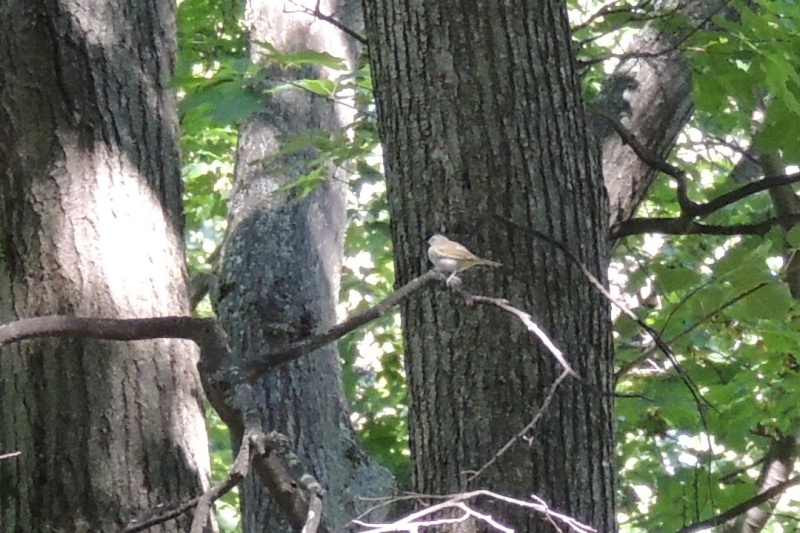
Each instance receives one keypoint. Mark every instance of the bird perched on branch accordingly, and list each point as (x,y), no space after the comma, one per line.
(450,256)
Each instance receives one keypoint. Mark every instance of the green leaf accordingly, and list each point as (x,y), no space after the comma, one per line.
(224,103)
(302,57)
(671,278)
(793,237)
(744,265)
(770,302)
(305,183)
(321,86)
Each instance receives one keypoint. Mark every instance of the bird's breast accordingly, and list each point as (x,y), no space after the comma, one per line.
(445,263)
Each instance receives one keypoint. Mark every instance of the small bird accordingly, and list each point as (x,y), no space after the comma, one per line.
(450,256)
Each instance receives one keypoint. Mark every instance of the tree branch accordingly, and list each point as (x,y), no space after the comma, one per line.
(724,200)
(196,329)
(332,21)
(743,507)
(524,317)
(685,223)
(237,473)
(641,152)
(254,369)
(682,226)
(115,329)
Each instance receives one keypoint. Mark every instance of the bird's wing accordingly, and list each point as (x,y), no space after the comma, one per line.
(460,252)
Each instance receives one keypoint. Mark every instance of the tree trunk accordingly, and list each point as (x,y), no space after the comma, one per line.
(279,278)
(90,219)
(484,138)
(650,93)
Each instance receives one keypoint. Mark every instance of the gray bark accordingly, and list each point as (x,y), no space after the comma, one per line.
(90,224)
(481,117)
(279,279)
(650,93)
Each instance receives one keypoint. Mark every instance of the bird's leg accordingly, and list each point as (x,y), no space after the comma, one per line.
(451,278)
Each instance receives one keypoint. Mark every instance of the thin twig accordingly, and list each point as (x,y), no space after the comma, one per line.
(237,473)
(524,317)
(694,390)
(332,21)
(532,424)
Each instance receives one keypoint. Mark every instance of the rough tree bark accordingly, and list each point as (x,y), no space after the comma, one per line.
(279,277)
(485,137)
(90,221)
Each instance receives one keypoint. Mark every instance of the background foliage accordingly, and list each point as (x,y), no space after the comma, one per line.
(719,301)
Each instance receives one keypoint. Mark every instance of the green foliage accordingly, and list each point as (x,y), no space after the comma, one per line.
(726,314)
(302,57)
(210,79)
(351,148)
(720,302)
(745,60)
(373,373)
(221,460)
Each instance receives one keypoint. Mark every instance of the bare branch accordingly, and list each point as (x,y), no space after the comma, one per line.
(298,349)
(683,226)
(196,329)
(235,476)
(117,329)
(524,431)
(332,21)
(524,317)
(641,152)
(724,200)
(413,523)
